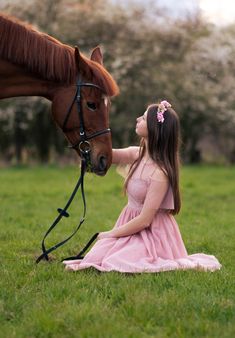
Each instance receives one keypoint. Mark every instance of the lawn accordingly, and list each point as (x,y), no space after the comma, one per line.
(46,301)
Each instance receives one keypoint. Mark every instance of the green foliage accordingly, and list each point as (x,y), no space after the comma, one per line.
(46,301)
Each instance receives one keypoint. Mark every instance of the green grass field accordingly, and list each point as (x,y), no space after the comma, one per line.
(46,301)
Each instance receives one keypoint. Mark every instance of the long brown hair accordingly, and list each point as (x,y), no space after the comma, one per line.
(163,148)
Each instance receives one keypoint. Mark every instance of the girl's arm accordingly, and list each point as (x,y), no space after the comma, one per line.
(135,225)
(125,155)
(155,195)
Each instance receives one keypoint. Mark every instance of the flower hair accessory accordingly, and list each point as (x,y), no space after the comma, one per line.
(162,107)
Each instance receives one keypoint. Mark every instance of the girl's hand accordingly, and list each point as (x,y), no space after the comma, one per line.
(104,234)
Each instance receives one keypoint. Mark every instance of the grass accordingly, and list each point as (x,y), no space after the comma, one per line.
(46,301)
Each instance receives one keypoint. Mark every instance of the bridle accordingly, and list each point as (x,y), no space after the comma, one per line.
(84,147)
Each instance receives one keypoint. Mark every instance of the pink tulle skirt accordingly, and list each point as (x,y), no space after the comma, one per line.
(158,247)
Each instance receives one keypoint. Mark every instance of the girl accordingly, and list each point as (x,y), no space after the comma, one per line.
(146,237)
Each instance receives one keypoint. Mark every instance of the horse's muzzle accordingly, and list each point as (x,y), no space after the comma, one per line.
(101,167)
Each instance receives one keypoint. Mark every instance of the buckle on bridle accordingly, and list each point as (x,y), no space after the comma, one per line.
(84,147)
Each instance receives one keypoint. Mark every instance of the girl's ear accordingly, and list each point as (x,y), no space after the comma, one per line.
(97,56)
(82,65)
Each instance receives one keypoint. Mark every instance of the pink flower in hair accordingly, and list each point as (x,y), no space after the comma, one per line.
(162,107)
(160,117)
(166,104)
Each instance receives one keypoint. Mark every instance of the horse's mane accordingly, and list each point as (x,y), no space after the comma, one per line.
(45,56)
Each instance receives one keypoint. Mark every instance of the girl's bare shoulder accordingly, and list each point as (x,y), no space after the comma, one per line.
(158,173)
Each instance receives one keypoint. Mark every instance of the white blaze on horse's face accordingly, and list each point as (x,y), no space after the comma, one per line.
(106,100)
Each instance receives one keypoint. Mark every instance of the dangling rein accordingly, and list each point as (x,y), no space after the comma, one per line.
(63,213)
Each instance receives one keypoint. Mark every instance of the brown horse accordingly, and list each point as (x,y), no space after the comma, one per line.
(35,64)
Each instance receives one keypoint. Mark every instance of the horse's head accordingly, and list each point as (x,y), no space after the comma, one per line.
(96,86)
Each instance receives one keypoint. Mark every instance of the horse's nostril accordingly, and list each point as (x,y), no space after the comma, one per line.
(102,163)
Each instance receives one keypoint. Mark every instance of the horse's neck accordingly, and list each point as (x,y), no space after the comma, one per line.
(16,81)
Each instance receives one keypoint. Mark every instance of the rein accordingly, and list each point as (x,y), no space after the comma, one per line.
(84,147)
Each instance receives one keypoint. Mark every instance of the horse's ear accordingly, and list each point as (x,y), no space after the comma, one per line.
(97,56)
(77,56)
(82,66)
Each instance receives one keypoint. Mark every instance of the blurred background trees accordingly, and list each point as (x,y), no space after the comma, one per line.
(186,61)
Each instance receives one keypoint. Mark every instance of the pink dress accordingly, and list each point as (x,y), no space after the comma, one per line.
(159,246)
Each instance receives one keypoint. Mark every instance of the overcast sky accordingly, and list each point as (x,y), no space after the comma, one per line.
(220,12)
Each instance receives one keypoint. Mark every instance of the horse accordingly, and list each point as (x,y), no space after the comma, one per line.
(33,63)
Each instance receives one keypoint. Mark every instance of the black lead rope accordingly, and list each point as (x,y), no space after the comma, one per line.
(63,213)
(80,254)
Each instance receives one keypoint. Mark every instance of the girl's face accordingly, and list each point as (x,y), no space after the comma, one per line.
(141,125)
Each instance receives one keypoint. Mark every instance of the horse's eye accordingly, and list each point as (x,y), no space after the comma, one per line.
(91,105)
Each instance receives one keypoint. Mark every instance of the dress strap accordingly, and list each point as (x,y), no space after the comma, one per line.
(155,169)
(142,169)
